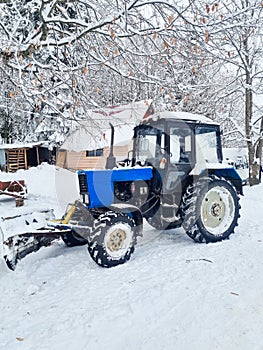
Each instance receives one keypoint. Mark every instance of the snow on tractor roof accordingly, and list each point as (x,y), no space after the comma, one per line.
(180,116)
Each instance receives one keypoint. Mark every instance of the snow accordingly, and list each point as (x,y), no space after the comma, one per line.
(231,154)
(172,294)
(95,132)
(48,187)
(199,168)
(79,140)
(22,145)
(182,116)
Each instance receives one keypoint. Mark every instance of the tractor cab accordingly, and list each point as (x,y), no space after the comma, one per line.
(176,144)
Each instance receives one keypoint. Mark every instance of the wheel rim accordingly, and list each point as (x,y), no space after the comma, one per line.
(217,210)
(118,240)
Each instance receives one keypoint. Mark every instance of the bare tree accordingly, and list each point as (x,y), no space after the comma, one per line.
(230,31)
(64,57)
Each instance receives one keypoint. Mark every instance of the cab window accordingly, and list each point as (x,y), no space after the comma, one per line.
(180,145)
(206,144)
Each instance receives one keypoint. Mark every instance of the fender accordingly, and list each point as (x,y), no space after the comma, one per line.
(221,170)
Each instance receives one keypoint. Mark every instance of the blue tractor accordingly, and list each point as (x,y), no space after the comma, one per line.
(173,177)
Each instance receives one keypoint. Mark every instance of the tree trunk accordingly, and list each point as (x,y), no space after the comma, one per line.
(259,149)
(248,117)
(253,174)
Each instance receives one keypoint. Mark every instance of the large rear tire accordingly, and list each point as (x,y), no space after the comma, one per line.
(113,239)
(210,210)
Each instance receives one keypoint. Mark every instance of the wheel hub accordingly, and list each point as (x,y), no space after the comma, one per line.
(116,239)
(213,208)
(216,209)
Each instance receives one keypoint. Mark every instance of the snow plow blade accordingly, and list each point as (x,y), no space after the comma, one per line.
(23,234)
(17,247)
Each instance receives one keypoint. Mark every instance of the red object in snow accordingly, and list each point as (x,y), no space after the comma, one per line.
(13,188)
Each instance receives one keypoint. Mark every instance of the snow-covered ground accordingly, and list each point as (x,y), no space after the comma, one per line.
(172,294)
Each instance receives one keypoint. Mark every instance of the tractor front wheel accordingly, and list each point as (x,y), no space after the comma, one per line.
(113,239)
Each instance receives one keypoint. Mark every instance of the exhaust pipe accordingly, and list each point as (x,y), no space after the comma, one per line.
(111,160)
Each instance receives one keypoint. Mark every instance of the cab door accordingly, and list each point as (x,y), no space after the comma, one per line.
(180,145)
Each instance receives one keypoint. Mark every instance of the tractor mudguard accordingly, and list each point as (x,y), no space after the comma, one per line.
(221,170)
(232,175)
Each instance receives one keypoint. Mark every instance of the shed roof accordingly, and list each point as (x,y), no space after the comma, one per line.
(7,146)
(94,132)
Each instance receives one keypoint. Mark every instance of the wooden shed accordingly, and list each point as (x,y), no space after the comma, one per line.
(93,155)
(22,156)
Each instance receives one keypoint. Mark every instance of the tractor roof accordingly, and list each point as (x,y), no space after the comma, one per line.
(185,116)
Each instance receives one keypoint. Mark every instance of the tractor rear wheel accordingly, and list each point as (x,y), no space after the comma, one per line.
(210,210)
(113,239)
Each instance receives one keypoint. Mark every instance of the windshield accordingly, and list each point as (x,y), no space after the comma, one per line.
(149,143)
